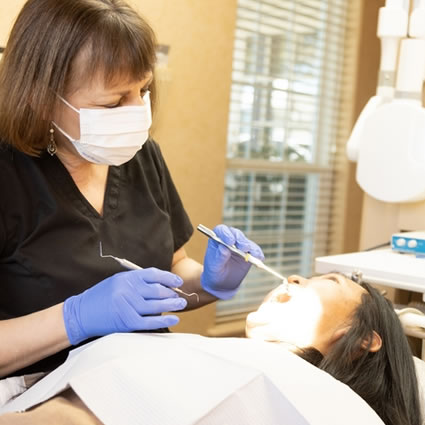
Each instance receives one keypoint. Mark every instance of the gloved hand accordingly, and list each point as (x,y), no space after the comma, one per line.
(224,270)
(121,303)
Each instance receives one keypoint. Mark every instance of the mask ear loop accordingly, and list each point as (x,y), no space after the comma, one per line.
(68,104)
(64,133)
(71,139)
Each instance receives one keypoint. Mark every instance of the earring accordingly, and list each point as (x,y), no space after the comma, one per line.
(51,147)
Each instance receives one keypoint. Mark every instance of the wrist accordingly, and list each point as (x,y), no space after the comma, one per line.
(211,288)
(72,325)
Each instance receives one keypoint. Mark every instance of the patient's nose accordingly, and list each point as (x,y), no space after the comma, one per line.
(298,280)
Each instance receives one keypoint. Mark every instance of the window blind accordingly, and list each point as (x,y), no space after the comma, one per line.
(285,136)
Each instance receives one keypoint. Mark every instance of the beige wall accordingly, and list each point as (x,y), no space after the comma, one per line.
(191,123)
(8,12)
(366,80)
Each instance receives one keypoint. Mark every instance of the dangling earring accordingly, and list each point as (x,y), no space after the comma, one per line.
(51,147)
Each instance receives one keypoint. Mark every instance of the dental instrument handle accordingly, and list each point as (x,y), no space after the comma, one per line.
(127,264)
(262,266)
(245,255)
(131,266)
(211,234)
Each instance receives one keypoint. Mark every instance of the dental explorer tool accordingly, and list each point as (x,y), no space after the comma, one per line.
(245,255)
(131,266)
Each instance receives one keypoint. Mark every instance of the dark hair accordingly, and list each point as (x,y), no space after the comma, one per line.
(39,60)
(385,379)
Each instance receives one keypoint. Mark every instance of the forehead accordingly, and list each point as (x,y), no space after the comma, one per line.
(86,74)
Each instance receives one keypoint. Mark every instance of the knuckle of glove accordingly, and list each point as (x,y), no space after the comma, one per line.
(225,233)
(120,288)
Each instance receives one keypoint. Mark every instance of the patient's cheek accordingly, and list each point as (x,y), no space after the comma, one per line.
(294,321)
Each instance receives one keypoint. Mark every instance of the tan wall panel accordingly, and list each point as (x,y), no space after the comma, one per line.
(8,12)
(367,77)
(412,216)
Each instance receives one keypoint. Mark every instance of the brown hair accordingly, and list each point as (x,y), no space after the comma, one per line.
(38,60)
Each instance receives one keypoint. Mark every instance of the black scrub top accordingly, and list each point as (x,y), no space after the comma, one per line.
(50,234)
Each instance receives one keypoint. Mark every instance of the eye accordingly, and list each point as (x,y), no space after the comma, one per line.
(334,278)
(114,105)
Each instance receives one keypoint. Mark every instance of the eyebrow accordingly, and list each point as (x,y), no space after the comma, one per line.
(124,93)
(328,273)
(339,274)
(350,278)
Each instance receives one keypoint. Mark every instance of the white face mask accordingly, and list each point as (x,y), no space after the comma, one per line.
(111,136)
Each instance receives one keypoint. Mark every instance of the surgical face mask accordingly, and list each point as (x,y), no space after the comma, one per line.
(111,136)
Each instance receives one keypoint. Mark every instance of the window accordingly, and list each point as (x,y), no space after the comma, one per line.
(283,135)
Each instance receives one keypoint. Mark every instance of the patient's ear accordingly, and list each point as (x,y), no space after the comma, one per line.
(375,345)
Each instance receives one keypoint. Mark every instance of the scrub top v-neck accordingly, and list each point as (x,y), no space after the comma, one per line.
(50,233)
(70,189)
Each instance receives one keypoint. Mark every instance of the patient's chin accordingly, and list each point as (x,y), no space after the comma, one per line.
(253,330)
(259,331)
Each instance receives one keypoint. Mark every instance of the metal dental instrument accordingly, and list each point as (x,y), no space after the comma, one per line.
(131,266)
(245,255)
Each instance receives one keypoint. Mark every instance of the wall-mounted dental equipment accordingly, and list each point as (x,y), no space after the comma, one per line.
(388,140)
(409,242)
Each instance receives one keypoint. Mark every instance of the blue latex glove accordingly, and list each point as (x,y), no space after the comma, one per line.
(224,270)
(123,303)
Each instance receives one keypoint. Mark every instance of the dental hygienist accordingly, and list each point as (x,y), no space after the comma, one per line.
(77,167)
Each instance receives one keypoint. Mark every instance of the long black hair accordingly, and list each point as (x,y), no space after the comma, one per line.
(385,379)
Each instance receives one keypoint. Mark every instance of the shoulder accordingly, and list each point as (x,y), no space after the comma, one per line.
(11,161)
(6,152)
(18,171)
(151,152)
(12,158)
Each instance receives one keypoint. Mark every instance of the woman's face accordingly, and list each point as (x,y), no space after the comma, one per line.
(313,315)
(94,94)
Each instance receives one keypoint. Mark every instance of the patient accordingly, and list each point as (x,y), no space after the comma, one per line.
(346,329)
(350,331)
